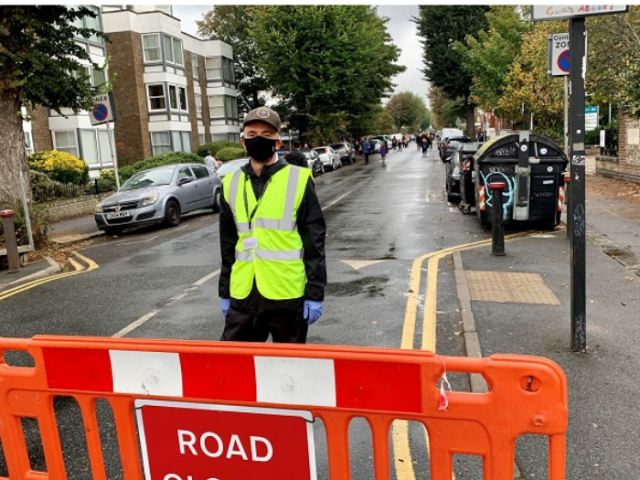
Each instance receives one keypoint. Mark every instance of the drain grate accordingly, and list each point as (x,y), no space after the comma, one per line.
(509,287)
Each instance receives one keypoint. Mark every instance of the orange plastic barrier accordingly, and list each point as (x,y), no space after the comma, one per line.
(527,396)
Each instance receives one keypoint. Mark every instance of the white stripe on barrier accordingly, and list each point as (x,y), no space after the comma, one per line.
(295,381)
(146,373)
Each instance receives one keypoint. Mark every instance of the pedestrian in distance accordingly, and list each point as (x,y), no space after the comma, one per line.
(366,150)
(296,157)
(425,144)
(272,241)
(210,162)
(383,152)
(394,143)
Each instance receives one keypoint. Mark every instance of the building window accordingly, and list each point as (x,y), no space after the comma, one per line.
(98,77)
(66,142)
(160,142)
(181,141)
(88,22)
(28,143)
(229,70)
(157,100)
(177,51)
(198,105)
(216,106)
(195,67)
(201,139)
(95,147)
(172,48)
(231,107)
(151,47)
(213,66)
(178,98)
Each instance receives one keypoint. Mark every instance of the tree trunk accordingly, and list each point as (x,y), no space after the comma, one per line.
(12,148)
(470,111)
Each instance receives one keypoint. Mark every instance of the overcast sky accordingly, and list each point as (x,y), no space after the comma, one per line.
(400,26)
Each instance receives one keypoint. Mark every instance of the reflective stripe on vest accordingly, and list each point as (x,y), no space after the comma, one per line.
(276,263)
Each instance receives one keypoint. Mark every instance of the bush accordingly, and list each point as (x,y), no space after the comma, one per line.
(215,147)
(157,161)
(231,153)
(43,189)
(592,137)
(60,166)
(39,217)
(106,180)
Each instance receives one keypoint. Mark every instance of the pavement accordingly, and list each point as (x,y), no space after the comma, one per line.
(527,294)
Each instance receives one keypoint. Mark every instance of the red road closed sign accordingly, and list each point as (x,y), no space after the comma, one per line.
(190,441)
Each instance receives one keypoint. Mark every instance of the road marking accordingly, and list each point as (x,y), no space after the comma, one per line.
(401,448)
(28,286)
(76,266)
(141,241)
(358,264)
(335,201)
(142,320)
(145,318)
(207,278)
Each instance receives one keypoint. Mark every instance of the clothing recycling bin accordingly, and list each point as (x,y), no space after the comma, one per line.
(533,168)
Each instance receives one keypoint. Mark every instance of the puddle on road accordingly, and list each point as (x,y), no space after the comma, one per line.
(371,286)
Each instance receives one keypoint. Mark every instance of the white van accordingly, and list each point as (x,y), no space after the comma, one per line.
(451,132)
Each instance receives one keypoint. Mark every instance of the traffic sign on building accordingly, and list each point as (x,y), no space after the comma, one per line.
(189,441)
(104,109)
(558,54)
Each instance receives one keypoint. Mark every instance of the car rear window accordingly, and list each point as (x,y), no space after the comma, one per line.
(338,146)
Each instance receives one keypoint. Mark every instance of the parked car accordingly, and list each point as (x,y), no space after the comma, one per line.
(231,166)
(346,151)
(315,164)
(330,159)
(450,144)
(375,145)
(459,168)
(159,195)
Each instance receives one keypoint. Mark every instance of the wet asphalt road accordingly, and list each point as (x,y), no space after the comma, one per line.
(379,219)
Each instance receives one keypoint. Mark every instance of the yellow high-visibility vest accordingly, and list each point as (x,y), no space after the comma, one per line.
(269,247)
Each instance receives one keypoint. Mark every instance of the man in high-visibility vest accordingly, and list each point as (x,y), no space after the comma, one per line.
(272,235)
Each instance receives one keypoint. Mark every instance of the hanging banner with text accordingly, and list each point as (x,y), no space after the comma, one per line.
(558,12)
(191,441)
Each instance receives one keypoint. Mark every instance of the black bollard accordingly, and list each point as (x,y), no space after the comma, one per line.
(497,243)
(10,239)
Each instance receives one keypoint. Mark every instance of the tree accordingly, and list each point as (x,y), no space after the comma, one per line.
(407,110)
(440,26)
(232,24)
(489,57)
(529,84)
(426,120)
(445,111)
(38,66)
(327,64)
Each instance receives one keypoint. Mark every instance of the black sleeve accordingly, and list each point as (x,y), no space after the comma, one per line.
(313,230)
(228,241)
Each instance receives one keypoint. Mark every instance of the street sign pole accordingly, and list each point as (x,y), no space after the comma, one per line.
(566,115)
(577,186)
(114,160)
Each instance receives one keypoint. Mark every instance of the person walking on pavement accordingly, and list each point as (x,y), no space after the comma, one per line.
(210,162)
(296,157)
(383,152)
(366,150)
(272,240)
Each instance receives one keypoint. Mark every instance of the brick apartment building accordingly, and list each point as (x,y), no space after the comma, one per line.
(173,91)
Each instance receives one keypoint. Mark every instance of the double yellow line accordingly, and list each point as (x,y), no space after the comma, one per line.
(78,269)
(402,453)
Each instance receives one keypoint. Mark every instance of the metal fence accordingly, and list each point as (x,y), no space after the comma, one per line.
(51,191)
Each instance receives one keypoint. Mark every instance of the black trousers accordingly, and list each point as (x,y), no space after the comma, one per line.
(285,326)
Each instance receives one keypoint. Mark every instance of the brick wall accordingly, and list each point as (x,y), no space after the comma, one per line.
(40,129)
(73,207)
(132,128)
(627,165)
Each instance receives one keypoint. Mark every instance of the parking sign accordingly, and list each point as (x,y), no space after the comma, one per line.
(559,54)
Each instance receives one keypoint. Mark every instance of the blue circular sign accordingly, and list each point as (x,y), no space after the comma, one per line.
(563,61)
(100,112)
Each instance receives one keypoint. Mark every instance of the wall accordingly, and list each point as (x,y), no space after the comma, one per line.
(626,165)
(73,207)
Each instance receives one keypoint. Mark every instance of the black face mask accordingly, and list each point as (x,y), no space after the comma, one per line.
(261,149)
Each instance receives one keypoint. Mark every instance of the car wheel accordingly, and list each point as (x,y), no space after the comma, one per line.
(216,202)
(111,231)
(172,214)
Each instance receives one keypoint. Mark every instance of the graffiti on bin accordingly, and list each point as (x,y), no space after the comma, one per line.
(508,192)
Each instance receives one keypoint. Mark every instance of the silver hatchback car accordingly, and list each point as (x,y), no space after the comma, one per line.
(159,195)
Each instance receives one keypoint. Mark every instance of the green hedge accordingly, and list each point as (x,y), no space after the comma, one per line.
(592,137)
(231,153)
(157,161)
(215,147)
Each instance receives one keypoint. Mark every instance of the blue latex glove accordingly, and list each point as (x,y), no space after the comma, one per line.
(225,303)
(312,311)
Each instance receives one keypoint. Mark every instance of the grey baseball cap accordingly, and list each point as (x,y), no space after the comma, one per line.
(262,114)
